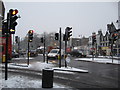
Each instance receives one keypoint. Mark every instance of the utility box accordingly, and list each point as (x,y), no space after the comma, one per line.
(47,78)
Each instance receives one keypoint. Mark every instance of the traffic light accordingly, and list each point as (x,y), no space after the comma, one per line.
(68,33)
(42,39)
(13,18)
(93,39)
(56,36)
(30,35)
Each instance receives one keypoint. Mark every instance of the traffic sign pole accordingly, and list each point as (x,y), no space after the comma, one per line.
(44,48)
(6,53)
(60,50)
(28,51)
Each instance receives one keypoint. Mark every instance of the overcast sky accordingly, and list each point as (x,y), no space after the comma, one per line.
(83,17)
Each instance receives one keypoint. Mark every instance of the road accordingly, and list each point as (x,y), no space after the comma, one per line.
(99,76)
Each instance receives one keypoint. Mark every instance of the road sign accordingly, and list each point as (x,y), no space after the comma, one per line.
(67,59)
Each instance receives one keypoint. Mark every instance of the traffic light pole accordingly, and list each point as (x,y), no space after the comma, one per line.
(65,50)
(92,52)
(18,45)
(112,50)
(67,37)
(6,61)
(10,25)
(44,49)
(13,41)
(60,50)
(6,53)
(28,51)
(96,53)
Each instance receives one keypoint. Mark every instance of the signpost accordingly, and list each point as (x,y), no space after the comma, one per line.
(44,47)
(60,50)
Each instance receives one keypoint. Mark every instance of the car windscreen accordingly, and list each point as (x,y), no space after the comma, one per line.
(53,51)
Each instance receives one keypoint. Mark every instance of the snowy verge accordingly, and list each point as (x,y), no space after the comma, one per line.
(39,66)
(22,58)
(71,69)
(18,81)
(99,60)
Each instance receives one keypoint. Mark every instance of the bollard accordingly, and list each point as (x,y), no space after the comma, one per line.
(47,78)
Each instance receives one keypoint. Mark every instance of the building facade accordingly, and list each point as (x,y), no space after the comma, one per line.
(90,46)
(99,37)
(105,44)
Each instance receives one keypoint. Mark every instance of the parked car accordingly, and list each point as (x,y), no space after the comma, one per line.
(77,53)
(33,53)
(53,54)
(15,54)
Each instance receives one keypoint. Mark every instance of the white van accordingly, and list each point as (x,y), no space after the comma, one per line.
(54,54)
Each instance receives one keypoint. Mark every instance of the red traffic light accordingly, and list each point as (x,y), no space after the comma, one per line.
(14,12)
(30,31)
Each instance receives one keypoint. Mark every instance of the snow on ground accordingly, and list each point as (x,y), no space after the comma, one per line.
(22,58)
(19,81)
(105,56)
(32,66)
(100,60)
(72,69)
(109,57)
(41,65)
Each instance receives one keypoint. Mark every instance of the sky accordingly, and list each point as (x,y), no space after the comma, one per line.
(83,17)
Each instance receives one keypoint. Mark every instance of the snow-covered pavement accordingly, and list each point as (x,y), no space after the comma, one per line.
(20,81)
(22,58)
(71,69)
(41,65)
(100,60)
